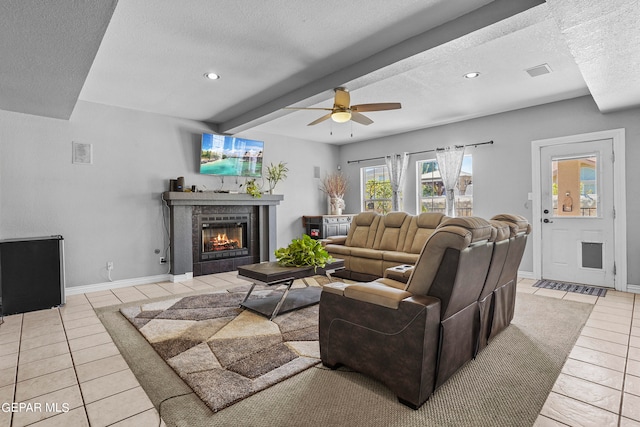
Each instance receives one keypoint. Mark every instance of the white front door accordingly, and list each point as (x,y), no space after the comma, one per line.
(577,228)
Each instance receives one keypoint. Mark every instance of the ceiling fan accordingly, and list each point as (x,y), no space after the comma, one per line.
(342,111)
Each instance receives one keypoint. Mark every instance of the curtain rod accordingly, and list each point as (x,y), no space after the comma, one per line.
(418,152)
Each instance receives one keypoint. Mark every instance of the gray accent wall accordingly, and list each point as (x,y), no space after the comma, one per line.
(111,210)
(502,172)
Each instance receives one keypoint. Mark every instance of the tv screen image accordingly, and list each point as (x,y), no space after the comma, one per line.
(230,156)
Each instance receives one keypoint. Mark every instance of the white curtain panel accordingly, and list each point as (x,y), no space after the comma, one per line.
(449,164)
(397,165)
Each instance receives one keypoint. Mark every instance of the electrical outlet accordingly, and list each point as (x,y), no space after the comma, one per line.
(109,265)
(163,260)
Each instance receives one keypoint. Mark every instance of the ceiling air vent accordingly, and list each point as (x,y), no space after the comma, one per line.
(539,70)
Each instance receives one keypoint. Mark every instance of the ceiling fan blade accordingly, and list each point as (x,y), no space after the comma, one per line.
(321,119)
(360,118)
(381,106)
(311,108)
(342,98)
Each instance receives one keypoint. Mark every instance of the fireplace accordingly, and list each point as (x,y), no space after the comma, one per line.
(224,236)
(246,227)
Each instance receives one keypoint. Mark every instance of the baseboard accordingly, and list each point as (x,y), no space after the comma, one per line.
(74,290)
(180,277)
(526,275)
(635,289)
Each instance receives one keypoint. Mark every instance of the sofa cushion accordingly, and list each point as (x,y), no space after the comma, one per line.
(518,223)
(400,257)
(366,253)
(392,231)
(420,229)
(454,233)
(480,229)
(337,250)
(363,230)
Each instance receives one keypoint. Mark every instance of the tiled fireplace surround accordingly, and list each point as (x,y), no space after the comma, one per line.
(185,209)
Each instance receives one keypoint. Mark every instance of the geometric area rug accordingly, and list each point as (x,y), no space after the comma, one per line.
(571,287)
(505,386)
(225,353)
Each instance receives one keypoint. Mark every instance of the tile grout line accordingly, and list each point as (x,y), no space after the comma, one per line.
(626,363)
(75,371)
(15,380)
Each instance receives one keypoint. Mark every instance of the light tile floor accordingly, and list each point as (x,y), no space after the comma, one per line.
(62,365)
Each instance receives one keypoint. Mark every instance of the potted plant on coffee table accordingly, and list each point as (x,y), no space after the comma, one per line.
(303,252)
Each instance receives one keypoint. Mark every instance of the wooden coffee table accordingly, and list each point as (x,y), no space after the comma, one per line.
(271,274)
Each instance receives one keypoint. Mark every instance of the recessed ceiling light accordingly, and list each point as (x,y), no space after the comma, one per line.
(472,75)
(211,76)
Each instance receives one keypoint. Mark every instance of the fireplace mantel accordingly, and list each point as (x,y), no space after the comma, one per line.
(210,198)
(182,206)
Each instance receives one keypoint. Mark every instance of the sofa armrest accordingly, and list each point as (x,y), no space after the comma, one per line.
(333,240)
(335,288)
(398,347)
(376,293)
(400,273)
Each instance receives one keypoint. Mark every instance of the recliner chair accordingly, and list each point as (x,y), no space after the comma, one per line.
(412,337)
(486,299)
(504,296)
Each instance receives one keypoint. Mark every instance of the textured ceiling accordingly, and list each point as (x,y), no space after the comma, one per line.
(46,50)
(604,38)
(277,53)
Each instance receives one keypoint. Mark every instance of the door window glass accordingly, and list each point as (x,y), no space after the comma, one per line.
(575,186)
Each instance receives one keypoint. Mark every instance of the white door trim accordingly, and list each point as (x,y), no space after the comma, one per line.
(619,199)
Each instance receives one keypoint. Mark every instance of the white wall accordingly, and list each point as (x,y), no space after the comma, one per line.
(111,210)
(502,171)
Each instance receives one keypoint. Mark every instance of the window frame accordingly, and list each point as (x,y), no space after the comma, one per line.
(363,200)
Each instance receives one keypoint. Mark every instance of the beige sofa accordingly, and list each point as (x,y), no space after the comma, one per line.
(377,242)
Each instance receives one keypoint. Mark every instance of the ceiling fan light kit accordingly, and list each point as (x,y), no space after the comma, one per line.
(342,111)
(341,116)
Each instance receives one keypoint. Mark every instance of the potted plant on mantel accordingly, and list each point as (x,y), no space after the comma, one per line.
(275,174)
(335,185)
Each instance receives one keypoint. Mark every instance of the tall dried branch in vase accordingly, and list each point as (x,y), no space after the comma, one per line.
(335,185)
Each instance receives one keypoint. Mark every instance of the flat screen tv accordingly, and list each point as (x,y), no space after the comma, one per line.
(230,156)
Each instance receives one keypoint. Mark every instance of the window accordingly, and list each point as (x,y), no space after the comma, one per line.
(575,189)
(431,197)
(376,189)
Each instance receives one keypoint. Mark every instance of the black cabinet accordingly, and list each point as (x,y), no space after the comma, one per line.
(31,274)
(323,226)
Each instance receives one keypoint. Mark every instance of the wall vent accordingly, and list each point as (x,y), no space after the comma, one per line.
(539,70)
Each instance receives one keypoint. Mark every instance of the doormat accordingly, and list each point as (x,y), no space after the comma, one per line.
(571,287)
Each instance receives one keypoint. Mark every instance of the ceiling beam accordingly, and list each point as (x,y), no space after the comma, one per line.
(480,18)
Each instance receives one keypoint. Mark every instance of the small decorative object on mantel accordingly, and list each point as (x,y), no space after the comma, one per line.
(251,187)
(275,174)
(303,252)
(335,185)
